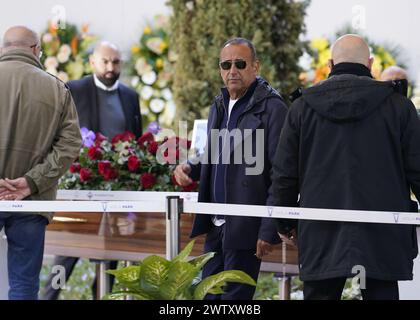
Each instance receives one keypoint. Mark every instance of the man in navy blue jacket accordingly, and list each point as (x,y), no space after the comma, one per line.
(251,113)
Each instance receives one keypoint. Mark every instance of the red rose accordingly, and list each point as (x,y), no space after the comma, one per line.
(99,138)
(127,136)
(133,163)
(148,180)
(85,174)
(147,137)
(192,187)
(153,147)
(94,153)
(117,139)
(75,168)
(110,174)
(103,166)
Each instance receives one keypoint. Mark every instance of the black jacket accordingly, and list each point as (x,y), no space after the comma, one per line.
(266,110)
(350,143)
(84,93)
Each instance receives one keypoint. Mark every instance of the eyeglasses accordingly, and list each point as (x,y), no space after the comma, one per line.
(226,65)
(40,51)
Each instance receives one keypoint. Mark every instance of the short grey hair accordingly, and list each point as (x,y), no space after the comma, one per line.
(242,41)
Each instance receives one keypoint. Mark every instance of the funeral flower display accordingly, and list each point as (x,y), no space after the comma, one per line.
(126,163)
(66,51)
(150,71)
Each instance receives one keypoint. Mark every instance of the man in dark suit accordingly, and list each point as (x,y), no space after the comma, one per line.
(246,107)
(103,105)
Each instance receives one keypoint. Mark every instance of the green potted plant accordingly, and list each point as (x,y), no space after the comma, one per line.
(178,279)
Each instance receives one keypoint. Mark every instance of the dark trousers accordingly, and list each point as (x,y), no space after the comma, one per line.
(25,238)
(332,289)
(69,263)
(244,260)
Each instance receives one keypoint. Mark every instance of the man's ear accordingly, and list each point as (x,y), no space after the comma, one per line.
(370,63)
(92,61)
(257,66)
(330,63)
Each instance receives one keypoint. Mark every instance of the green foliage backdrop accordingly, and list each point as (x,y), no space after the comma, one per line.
(199,28)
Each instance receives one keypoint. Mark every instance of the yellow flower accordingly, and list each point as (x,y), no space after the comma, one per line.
(320,44)
(135,49)
(159,63)
(389,59)
(163,45)
(377,67)
(324,56)
(147,30)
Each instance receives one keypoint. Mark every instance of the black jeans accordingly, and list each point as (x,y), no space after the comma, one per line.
(332,289)
(244,260)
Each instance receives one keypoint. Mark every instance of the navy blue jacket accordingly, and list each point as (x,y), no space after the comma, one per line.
(84,93)
(266,110)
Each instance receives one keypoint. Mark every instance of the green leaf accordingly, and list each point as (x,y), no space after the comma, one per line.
(128,274)
(183,255)
(122,294)
(180,276)
(200,261)
(153,273)
(219,280)
(128,277)
(216,290)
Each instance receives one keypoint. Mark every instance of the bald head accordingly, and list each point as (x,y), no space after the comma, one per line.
(106,47)
(20,37)
(106,63)
(353,49)
(394,73)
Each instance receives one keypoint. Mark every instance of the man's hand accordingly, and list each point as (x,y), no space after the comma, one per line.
(17,189)
(263,248)
(181,175)
(290,239)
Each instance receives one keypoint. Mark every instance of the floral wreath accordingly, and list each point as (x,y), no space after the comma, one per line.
(66,51)
(150,70)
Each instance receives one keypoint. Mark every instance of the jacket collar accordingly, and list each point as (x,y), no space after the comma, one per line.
(350,68)
(262,91)
(21,55)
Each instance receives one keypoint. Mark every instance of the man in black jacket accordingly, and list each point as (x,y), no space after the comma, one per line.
(103,105)
(350,143)
(246,107)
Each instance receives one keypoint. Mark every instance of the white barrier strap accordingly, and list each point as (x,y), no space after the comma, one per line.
(156,202)
(82,206)
(304,213)
(122,195)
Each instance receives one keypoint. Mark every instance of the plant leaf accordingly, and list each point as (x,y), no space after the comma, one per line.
(128,277)
(219,280)
(153,273)
(180,276)
(183,255)
(216,290)
(122,294)
(200,261)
